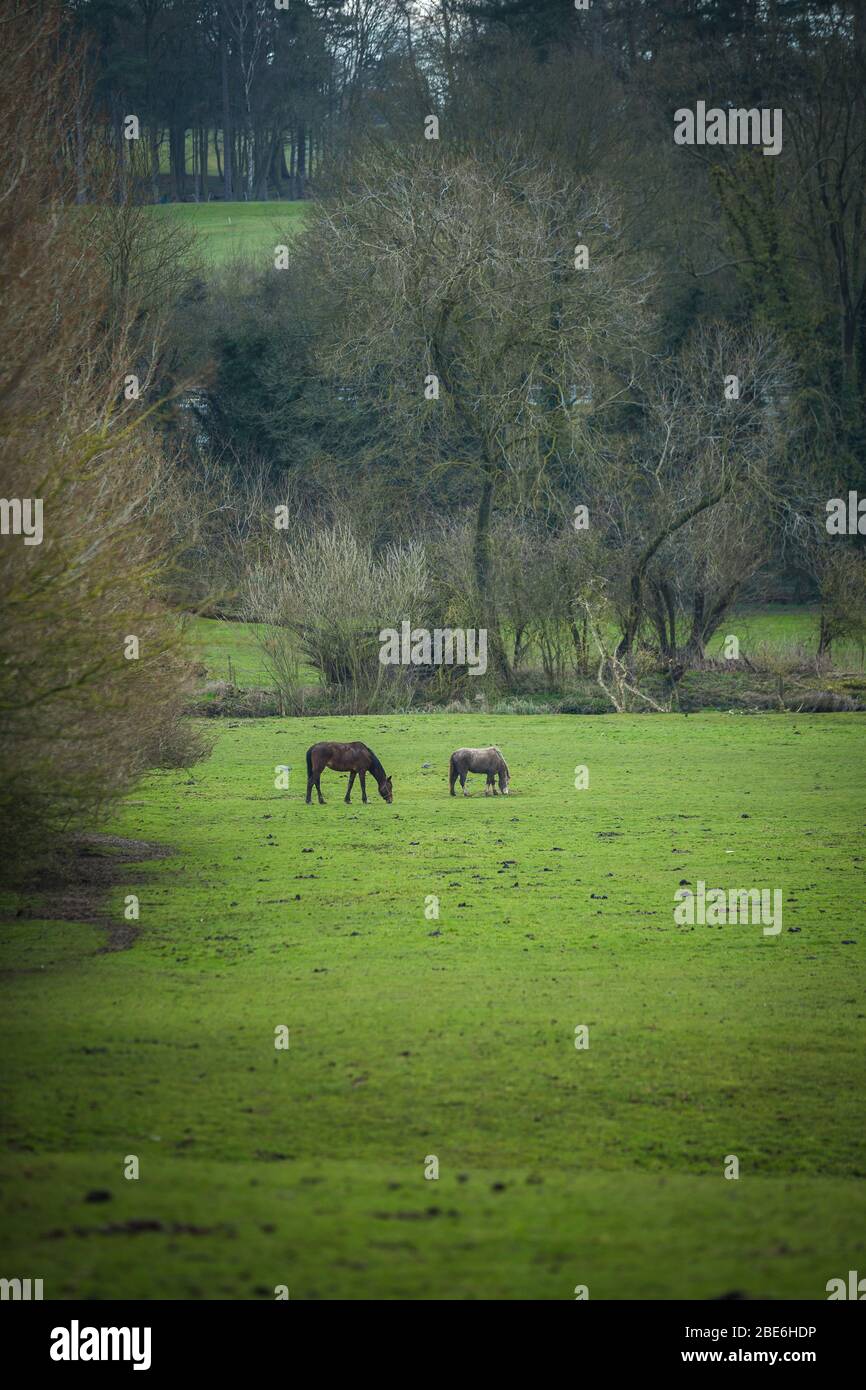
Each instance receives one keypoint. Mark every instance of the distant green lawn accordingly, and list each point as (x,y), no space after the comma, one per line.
(413,1035)
(231,653)
(226,230)
(776,623)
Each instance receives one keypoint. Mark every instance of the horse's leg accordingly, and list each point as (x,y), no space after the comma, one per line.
(363,779)
(348,796)
(463,783)
(490,790)
(319,786)
(452,777)
(310,790)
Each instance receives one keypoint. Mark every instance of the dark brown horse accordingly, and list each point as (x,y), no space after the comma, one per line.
(355,758)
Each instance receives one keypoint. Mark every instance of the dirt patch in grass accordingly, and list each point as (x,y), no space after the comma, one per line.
(75,886)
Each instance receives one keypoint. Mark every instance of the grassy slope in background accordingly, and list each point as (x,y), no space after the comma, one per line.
(228,229)
(454,1037)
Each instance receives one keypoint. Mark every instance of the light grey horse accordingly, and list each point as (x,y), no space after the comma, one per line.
(489,760)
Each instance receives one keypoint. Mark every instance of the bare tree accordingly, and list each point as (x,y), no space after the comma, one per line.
(461,305)
(706,461)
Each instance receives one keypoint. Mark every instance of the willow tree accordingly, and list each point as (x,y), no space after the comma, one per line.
(93,676)
(483,305)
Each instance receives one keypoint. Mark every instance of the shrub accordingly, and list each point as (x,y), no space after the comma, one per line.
(325,595)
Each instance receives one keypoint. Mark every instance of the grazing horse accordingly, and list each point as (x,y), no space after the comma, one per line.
(489,760)
(355,758)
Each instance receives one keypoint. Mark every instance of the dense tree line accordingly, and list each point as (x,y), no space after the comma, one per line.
(263,93)
(731,257)
(235,98)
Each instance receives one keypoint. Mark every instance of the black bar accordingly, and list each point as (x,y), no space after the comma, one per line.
(221,1338)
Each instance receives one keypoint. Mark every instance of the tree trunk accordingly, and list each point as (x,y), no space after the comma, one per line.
(484,580)
(120,142)
(664,618)
(177,142)
(265,164)
(196,166)
(275,173)
(302,158)
(239,166)
(825,639)
(153,137)
(635,610)
(181,160)
(228,182)
(705,621)
(695,644)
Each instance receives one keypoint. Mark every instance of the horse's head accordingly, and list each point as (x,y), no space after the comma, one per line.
(386,790)
(503,780)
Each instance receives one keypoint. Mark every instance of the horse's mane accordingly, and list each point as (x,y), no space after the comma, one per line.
(376,767)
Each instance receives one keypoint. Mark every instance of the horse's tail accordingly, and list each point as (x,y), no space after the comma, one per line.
(310,761)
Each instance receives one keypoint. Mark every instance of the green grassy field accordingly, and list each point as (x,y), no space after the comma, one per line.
(227,230)
(413,1036)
